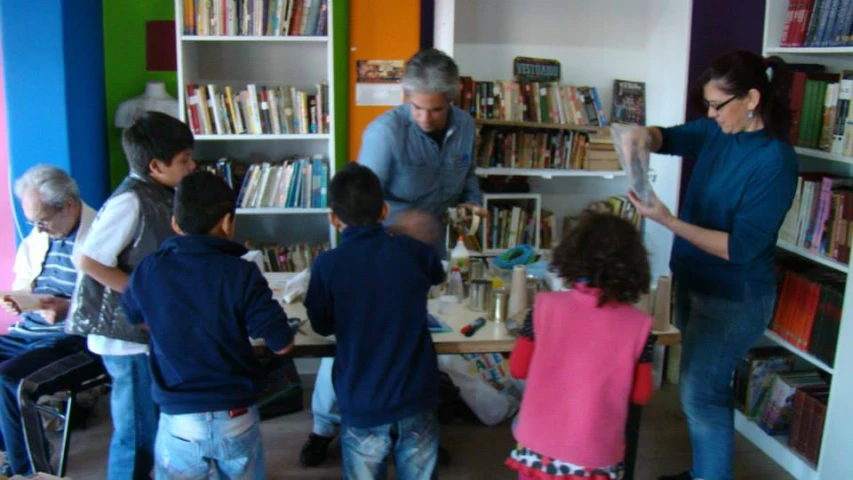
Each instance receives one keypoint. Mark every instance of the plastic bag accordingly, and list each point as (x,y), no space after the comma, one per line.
(633,155)
(484,384)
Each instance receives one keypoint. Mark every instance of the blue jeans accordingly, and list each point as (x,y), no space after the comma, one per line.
(366,450)
(716,334)
(324,402)
(134,417)
(210,445)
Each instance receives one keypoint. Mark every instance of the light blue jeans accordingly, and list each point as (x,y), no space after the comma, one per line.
(134,417)
(366,450)
(324,402)
(716,334)
(209,445)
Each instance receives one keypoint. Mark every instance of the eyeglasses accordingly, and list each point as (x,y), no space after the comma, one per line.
(719,106)
(42,224)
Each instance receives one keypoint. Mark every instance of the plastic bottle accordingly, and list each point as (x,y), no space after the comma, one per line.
(460,257)
(456,287)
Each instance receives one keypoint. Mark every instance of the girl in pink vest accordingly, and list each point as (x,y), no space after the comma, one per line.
(586,355)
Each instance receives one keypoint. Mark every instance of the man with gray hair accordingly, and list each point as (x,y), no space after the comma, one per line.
(37,357)
(422,152)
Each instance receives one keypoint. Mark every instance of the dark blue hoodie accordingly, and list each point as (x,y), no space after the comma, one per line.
(201,302)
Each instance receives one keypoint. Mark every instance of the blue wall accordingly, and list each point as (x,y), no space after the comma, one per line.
(53,62)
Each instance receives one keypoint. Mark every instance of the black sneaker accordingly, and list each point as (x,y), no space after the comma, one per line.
(315,450)
(681,476)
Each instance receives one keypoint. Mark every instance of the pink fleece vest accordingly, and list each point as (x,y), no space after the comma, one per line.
(575,403)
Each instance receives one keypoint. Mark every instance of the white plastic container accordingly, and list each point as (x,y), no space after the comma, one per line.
(460,257)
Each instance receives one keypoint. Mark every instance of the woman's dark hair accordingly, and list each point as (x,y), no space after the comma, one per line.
(608,253)
(739,72)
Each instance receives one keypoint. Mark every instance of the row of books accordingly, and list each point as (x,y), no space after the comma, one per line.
(820,102)
(617,205)
(821,216)
(818,23)
(295,183)
(511,225)
(232,172)
(531,102)
(781,400)
(808,308)
(256,17)
(288,258)
(552,149)
(214,110)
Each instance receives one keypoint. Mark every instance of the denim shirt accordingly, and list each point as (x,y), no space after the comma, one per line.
(416,173)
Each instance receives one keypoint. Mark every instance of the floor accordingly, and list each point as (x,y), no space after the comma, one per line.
(478,452)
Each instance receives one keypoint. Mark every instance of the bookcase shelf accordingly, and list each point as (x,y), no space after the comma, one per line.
(796,351)
(253,38)
(250,137)
(282,211)
(776,448)
(547,126)
(834,460)
(547,172)
(810,50)
(813,153)
(300,62)
(813,257)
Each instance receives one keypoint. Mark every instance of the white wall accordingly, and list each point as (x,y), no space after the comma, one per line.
(596,41)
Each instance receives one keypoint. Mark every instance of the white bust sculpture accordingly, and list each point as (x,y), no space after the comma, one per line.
(155,98)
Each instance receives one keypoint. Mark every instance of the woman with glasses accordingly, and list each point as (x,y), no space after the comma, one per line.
(722,259)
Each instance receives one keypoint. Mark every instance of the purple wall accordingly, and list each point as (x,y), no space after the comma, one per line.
(720,27)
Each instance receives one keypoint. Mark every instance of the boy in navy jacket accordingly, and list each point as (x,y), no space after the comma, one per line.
(371,293)
(201,302)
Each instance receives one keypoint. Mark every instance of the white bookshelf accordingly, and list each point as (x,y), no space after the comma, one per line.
(647,41)
(805,253)
(835,460)
(547,172)
(796,351)
(254,38)
(298,61)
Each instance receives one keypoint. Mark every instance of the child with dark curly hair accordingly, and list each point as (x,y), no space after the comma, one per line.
(588,359)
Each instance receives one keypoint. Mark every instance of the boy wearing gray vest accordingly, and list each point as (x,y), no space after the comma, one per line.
(133,222)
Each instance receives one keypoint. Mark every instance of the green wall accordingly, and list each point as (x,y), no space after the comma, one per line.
(124,64)
(341,60)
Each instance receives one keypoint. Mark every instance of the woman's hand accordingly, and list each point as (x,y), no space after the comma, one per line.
(654,210)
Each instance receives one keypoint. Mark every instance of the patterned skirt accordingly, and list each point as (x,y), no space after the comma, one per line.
(536,465)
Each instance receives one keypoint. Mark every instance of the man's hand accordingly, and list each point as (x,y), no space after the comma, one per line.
(10,306)
(54,309)
(418,225)
(476,209)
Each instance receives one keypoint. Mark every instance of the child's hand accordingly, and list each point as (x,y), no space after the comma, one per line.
(54,309)
(10,306)
(418,225)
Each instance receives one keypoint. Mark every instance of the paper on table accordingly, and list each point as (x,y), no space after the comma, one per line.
(26,301)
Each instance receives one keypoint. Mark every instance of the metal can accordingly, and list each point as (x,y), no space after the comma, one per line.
(481,291)
(478,269)
(499,305)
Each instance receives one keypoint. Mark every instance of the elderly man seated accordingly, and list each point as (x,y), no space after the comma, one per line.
(37,357)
